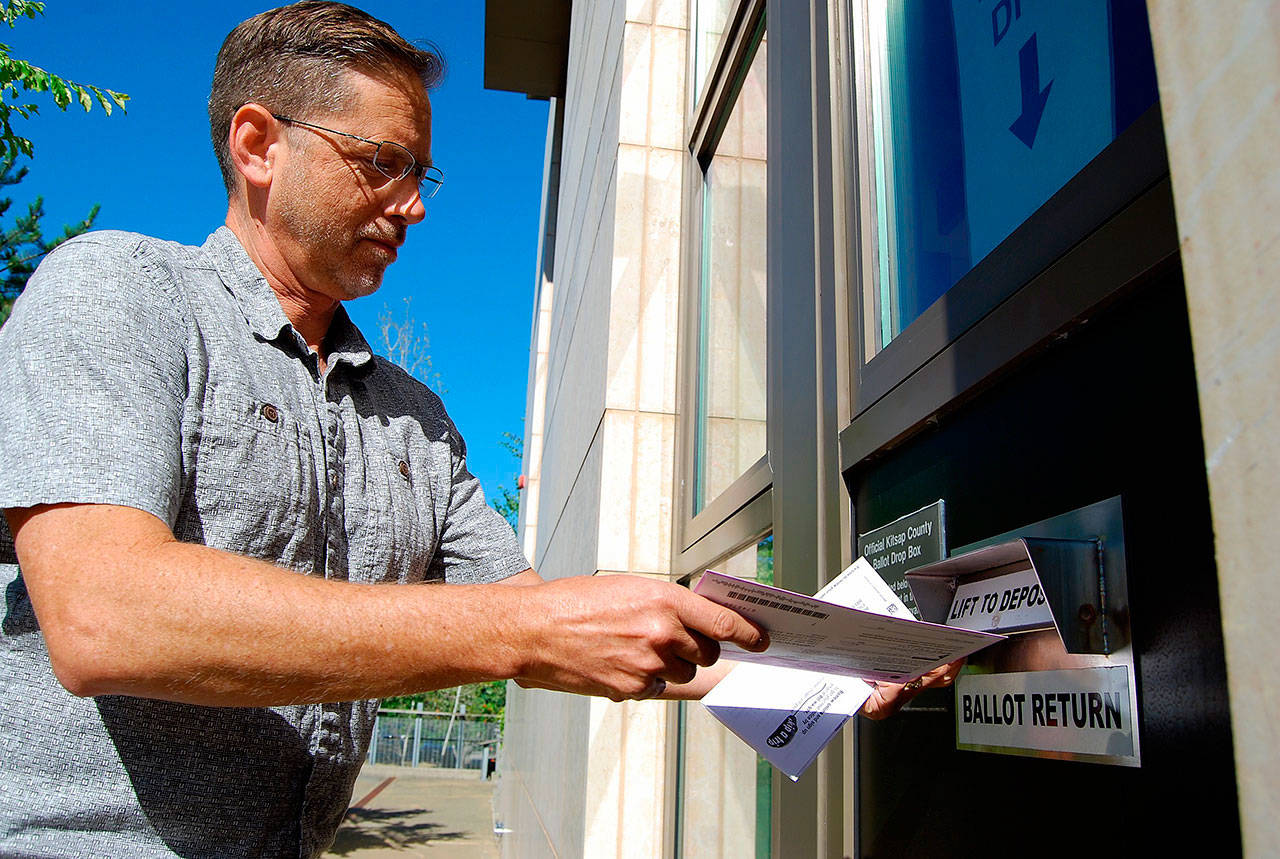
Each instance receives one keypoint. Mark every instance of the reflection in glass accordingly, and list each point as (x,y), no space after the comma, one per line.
(731,377)
(710,16)
(981,111)
(725,790)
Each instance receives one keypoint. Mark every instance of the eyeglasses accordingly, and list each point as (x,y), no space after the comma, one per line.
(389,158)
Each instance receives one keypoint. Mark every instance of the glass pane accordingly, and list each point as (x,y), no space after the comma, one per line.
(981,111)
(725,793)
(711,17)
(731,367)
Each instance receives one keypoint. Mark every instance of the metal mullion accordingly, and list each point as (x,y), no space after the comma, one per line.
(734,497)
(847,293)
(861,233)
(724,77)
(792,353)
(834,529)
(749,524)
(687,363)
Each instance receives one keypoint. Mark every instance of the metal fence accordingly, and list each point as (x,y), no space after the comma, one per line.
(414,738)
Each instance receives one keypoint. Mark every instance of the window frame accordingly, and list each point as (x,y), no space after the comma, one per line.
(744,507)
(794,490)
(676,713)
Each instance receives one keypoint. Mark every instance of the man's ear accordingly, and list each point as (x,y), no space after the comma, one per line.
(255,137)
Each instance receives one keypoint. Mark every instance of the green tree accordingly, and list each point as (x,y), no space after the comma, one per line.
(19,77)
(478,698)
(507,501)
(23,244)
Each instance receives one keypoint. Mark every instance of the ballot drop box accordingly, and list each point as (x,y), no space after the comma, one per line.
(1023,452)
(1068,510)
(1062,685)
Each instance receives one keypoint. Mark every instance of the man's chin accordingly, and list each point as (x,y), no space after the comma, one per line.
(360,286)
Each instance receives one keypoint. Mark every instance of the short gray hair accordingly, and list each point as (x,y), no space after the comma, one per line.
(293,60)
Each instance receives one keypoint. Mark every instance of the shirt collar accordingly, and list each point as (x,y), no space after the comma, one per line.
(243,280)
(345,342)
(261,307)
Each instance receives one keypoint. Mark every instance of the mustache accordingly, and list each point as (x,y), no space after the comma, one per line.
(391,234)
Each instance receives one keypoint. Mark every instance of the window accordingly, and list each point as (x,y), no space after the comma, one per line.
(711,17)
(731,336)
(724,794)
(722,468)
(980,112)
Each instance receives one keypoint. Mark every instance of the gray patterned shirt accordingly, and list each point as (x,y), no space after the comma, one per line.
(167,378)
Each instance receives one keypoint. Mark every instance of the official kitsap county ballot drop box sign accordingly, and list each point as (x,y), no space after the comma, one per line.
(1062,685)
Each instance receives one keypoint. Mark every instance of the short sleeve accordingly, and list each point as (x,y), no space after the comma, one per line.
(476,544)
(93,370)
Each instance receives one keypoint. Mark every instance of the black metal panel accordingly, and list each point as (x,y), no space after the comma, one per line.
(526,46)
(1112,410)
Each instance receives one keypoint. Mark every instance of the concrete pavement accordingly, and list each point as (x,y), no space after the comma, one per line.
(418,811)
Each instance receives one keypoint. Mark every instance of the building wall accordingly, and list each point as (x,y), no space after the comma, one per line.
(588,777)
(543,789)
(1219,71)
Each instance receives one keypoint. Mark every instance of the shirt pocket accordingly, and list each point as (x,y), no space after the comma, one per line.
(412,515)
(256,489)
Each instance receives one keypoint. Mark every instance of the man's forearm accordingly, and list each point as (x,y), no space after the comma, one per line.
(126,609)
(162,619)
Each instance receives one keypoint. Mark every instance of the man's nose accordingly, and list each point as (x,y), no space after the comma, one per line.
(404,200)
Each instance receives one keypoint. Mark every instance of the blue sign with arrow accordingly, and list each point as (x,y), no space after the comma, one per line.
(1033,98)
(1035,104)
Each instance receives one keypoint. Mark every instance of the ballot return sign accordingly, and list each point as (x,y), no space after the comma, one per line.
(1082,714)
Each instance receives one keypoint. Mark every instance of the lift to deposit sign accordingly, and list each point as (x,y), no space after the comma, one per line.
(1006,603)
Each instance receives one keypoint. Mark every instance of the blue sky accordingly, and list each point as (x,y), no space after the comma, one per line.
(468,268)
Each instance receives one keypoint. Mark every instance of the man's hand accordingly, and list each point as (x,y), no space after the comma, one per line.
(888,698)
(624,636)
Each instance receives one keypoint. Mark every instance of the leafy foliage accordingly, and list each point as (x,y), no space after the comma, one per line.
(764,561)
(481,698)
(18,78)
(23,244)
(507,501)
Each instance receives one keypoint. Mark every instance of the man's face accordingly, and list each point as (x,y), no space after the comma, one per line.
(337,221)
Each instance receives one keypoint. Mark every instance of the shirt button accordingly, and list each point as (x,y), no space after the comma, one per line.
(404,469)
(270,413)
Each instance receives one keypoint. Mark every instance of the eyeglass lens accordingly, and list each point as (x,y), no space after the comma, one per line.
(395,162)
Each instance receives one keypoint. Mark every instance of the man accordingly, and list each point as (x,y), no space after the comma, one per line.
(185,430)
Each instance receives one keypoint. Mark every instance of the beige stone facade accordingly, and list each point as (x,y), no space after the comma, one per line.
(592,778)
(601,427)
(1219,68)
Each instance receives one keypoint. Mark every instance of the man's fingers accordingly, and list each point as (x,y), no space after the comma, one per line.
(697,648)
(887,698)
(944,675)
(628,637)
(720,624)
